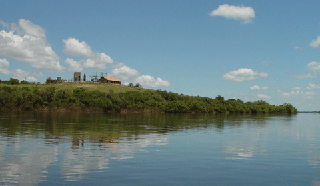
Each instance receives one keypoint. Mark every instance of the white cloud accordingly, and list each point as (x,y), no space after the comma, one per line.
(74,47)
(117,65)
(124,72)
(4,64)
(297,48)
(315,43)
(263,74)
(89,63)
(243,74)
(309,95)
(74,65)
(149,81)
(255,87)
(263,96)
(28,28)
(314,66)
(95,60)
(29,47)
(294,93)
(246,14)
(298,93)
(102,58)
(4,71)
(23,75)
(313,86)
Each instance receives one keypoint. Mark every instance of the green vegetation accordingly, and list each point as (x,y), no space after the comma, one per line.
(107,98)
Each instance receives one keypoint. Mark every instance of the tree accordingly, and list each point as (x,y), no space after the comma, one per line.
(138,85)
(14,81)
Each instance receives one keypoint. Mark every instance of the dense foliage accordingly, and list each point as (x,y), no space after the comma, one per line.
(16,82)
(25,98)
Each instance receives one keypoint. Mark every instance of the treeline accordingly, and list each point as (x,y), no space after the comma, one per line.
(13,81)
(25,98)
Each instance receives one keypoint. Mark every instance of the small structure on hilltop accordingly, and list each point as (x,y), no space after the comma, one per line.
(51,81)
(77,77)
(109,80)
(55,81)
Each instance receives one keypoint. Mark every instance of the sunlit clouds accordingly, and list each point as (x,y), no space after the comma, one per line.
(149,81)
(27,43)
(243,74)
(245,14)
(256,87)
(124,72)
(94,60)
(263,96)
(315,43)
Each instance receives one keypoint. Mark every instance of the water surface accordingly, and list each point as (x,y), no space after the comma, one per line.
(167,149)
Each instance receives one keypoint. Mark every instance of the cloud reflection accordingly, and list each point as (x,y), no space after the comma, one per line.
(25,161)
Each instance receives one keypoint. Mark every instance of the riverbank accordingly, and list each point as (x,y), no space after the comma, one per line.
(150,101)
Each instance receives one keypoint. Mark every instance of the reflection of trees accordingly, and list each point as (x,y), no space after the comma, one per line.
(88,142)
(110,127)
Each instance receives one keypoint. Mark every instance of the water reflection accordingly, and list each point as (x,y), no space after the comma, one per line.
(79,144)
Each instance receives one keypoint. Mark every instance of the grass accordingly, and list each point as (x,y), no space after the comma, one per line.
(88,86)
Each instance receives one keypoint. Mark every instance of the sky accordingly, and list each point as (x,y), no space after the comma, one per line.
(248,50)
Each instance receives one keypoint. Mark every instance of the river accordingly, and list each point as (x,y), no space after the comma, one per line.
(166,149)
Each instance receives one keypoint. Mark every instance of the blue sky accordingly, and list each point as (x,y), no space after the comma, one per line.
(248,50)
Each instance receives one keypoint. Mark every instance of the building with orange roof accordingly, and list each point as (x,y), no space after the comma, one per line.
(109,80)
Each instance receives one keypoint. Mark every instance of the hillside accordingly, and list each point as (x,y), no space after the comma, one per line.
(120,98)
(87,86)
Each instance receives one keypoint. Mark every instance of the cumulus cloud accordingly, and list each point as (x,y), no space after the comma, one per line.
(243,74)
(315,43)
(149,81)
(95,60)
(124,72)
(4,71)
(29,45)
(245,14)
(263,96)
(74,47)
(73,65)
(23,75)
(313,86)
(117,65)
(28,28)
(4,64)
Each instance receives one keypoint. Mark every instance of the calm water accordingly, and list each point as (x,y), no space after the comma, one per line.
(169,149)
